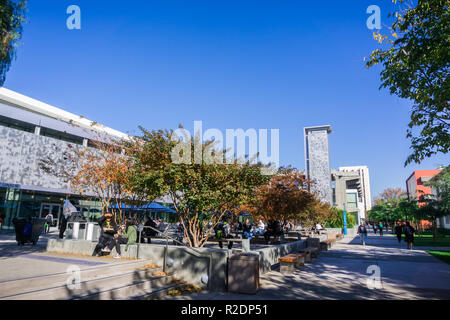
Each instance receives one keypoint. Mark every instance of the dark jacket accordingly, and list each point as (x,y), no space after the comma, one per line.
(398,230)
(150,232)
(246,227)
(106,228)
(362,229)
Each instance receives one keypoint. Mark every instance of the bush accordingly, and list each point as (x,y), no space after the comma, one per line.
(336,219)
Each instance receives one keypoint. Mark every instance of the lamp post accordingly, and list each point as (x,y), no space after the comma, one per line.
(345,221)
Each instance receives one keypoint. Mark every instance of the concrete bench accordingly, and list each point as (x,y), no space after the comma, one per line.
(245,243)
(312,252)
(291,261)
(326,245)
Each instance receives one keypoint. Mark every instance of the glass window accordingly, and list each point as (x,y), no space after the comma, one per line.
(352,200)
(16,124)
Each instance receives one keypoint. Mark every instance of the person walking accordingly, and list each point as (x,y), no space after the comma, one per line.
(1,223)
(374,227)
(362,231)
(398,230)
(409,235)
(380,228)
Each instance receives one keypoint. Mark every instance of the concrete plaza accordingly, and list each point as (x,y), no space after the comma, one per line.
(342,273)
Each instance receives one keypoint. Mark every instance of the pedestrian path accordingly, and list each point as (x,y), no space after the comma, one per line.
(344,272)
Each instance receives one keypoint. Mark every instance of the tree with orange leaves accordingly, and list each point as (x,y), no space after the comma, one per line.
(285,197)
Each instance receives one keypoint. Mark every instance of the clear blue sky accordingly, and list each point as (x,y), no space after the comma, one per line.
(232,64)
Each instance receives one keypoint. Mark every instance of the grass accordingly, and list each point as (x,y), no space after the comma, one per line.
(441,255)
(426,240)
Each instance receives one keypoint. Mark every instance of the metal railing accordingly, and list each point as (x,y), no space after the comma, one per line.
(190,250)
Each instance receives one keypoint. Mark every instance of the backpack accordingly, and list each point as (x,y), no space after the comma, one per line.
(380,225)
(27,229)
(408,231)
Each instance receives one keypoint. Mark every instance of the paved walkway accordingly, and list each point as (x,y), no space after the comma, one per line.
(341,273)
(33,261)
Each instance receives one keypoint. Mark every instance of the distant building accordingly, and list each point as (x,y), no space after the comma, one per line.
(364,177)
(317,161)
(31,131)
(417,191)
(347,187)
(348,192)
(415,184)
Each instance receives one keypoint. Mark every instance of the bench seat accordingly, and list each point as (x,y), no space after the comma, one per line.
(291,261)
(314,251)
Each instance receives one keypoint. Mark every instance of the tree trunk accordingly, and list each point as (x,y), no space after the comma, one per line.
(434,229)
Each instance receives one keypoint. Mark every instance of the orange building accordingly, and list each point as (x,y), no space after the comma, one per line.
(416,189)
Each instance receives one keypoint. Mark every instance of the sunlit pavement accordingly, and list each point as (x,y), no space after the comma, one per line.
(347,272)
(33,261)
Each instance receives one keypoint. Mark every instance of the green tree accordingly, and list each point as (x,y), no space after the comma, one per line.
(437,204)
(12,17)
(415,61)
(394,209)
(200,192)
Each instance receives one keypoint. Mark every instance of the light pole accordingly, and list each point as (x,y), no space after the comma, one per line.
(345,221)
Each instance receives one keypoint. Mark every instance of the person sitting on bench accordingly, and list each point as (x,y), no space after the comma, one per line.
(108,228)
(273,229)
(127,235)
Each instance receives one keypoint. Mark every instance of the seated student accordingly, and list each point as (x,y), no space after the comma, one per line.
(223,230)
(108,228)
(247,229)
(128,237)
(273,229)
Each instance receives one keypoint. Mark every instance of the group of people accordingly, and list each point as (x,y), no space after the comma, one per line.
(404,227)
(401,228)
(379,227)
(274,228)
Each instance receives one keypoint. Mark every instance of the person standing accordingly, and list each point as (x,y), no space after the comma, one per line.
(398,230)
(409,235)
(362,231)
(150,231)
(374,227)
(1,223)
(48,222)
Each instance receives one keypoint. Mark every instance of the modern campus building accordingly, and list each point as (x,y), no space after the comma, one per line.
(348,187)
(417,190)
(31,131)
(317,160)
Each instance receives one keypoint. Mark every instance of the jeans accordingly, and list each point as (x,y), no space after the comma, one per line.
(247,235)
(363,237)
(120,240)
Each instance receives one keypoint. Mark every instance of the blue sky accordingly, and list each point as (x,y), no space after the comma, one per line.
(232,64)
